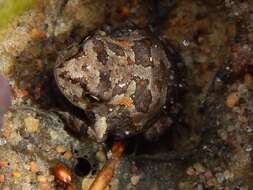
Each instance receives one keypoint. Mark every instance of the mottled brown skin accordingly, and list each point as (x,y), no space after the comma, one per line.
(123,77)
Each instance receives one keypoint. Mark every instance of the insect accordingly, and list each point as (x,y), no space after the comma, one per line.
(123,78)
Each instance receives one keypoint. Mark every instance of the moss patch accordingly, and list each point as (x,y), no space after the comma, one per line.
(11,8)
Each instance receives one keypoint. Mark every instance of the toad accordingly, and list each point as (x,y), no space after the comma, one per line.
(122,78)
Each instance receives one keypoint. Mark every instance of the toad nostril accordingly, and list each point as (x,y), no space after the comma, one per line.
(83,167)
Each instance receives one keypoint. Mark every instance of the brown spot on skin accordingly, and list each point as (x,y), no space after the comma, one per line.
(142,105)
(158,81)
(62,75)
(118,50)
(73,81)
(142,82)
(142,53)
(123,32)
(119,90)
(123,43)
(76,81)
(119,115)
(104,84)
(157,88)
(76,98)
(99,48)
(60,64)
(142,97)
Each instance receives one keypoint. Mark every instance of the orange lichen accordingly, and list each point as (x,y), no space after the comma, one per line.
(125,101)
(60,149)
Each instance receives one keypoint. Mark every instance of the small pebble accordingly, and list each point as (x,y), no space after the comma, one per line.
(2,141)
(3,163)
(2,178)
(44,186)
(16,174)
(190,171)
(135,179)
(232,99)
(62,173)
(67,155)
(41,179)
(220,177)
(31,124)
(186,43)
(37,33)
(60,149)
(211,182)
(199,168)
(227,174)
(33,167)
(248,80)
(100,155)
(248,148)
(248,129)
(223,134)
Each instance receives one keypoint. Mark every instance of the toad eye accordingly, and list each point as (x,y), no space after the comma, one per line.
(92,98)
